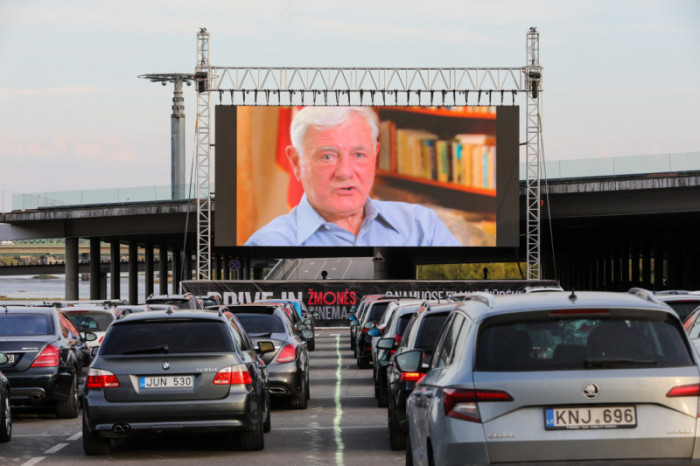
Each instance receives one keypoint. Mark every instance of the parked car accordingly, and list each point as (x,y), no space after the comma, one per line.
(372,314)
(622,383)
(288,365)
(420,334)
(5,408)
(91,319)
(166,371)
(681,301)
(300,308)
(356,314)
(394,330)
(46,355)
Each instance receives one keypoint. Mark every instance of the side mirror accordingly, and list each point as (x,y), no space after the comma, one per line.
(307,334)
(3,358)
(374,332)
(89,336)
(266,347)
(94,351)
(307,322)
(370,325)
(315,314)
(352,317)
(301,326)
(410,361)
(354,323)
(386,343)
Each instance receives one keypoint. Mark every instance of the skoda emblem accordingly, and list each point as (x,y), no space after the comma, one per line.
(591,390)
(166,365)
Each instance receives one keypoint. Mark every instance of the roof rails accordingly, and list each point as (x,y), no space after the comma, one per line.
(644,294)
(483,297)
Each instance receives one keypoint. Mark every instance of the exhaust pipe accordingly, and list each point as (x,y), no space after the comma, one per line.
(36,397)
(121,428)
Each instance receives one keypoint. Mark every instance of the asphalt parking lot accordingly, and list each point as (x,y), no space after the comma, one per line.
(342,425)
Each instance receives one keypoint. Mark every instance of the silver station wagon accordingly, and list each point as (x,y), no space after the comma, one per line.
(556,376)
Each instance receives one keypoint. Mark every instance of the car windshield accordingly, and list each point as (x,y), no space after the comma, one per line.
(25,324)
(87,321)
(579,343)
(181,336)
(258,324)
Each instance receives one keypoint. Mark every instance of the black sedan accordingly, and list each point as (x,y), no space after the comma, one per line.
(46,354)
(166,371)
(288,365)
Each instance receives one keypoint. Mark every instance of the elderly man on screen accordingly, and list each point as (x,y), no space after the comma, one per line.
(334,154)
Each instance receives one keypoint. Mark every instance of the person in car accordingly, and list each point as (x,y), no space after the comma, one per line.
(334,154)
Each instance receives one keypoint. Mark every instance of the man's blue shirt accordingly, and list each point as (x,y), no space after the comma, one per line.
(386,223)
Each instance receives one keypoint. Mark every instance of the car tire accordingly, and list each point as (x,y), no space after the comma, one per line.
(352,343)
(397,439)
(5,418)
(253,440)
(311,344)
(409,453)
(267,425)
(362,363)
(382,396)
(300,400)
(94,444)
(68,408)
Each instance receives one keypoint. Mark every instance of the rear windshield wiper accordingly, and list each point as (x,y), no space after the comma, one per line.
(153,349)
(613,363)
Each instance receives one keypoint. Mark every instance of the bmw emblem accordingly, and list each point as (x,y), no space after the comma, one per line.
(166,365)
(591,390)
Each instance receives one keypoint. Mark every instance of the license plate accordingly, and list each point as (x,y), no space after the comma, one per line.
(170,381)
(590,417)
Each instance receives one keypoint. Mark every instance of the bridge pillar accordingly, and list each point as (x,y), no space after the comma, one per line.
(177,268)
(133,273)
(187,265)
(646,261)
(148,288)
(634,255)
(72,292)
(95,273)
(114,269)
(659,261)
(163,270)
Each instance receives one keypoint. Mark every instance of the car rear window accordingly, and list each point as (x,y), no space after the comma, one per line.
(684,308)
(429,330)
(377,311)
(180,336)
(25,324)
(181,303)
(87,321)
(580,343)
(259,324)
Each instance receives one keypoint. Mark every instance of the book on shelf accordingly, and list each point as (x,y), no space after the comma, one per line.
(465,159)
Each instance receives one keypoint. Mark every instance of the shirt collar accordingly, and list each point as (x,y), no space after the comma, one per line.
(309,221)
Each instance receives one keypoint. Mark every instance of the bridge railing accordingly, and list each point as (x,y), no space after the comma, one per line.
(556,169)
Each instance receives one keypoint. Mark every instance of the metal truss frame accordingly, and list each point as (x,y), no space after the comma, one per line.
(364,86)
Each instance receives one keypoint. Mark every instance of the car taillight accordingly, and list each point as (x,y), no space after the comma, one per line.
(99,342)
(397,339)
(462,404)
(47,358)
(410,376)
(98,378)
(684,390)
(233,375)
(288,353)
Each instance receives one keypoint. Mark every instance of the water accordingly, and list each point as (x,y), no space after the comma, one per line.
(19,287)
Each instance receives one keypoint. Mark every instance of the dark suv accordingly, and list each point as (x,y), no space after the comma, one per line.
(175,371)
(46,355)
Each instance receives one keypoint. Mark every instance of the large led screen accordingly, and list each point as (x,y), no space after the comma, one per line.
(339,177)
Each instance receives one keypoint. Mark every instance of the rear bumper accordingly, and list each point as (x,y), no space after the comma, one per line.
(32,389)
(284,379)
(237,411)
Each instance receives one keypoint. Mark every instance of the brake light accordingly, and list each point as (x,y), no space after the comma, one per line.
(410,376)
(233,375)
(684,390)
(288,354)
(397,339)
(462,404)
(98,378)
(99,342)
(47,358)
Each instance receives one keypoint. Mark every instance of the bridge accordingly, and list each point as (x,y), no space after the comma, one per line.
(606,229)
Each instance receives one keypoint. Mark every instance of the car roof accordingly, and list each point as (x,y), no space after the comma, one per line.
(514,303)
(6,309)
(169,315)
(252,308)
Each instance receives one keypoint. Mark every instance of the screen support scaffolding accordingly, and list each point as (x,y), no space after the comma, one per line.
(475,86)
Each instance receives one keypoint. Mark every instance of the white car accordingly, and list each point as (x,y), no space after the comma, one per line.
(95,319)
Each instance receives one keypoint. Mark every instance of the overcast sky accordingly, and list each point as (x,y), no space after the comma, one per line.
(620,77)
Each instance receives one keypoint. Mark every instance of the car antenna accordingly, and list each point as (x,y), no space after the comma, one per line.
(573,296)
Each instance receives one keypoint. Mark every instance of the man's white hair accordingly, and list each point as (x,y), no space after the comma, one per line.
(329,117)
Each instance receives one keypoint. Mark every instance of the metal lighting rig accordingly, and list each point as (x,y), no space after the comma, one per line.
(367,86)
